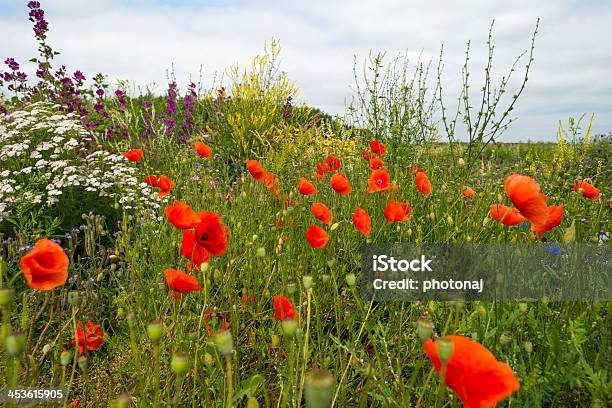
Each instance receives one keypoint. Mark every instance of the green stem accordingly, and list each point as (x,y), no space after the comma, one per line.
(230,384)
(305,350)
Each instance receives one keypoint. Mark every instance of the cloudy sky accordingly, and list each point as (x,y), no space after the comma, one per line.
(140,40)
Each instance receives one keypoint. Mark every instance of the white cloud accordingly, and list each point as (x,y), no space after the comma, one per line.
(140,40)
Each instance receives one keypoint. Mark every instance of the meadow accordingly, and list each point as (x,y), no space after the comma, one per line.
(203,248)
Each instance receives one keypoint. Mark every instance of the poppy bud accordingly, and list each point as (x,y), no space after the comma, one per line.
(505,339)
(46,349)
(123,401)
(482,312)
(224,342)
(82,361)
(318,388)
(424,328)
(208,360)
(275,341)
(432,215)
(260,252)
(204,267)
(254,238)
(6,295)
(73,298)
(528,347)
(15,344)
(522,307)
(334,226)
(289,327)
(350,279)
(409,232)
(445,350)
(449,220)
(291,288)
(485,221)
(155,331)
(252,403)
(100,277)
(66,357)
(325,278)
(180,363)
(461,162)
(307,281)
(216,274)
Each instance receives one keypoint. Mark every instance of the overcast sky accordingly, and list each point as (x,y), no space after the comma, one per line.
(140,40)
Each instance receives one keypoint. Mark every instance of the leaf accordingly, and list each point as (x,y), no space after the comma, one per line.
(249,387)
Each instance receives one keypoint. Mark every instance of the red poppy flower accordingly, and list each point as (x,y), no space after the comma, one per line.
(191,250)
(91,337)
(179,281)
(588,190)
(507,216)
(270,181)
(473,372)
(133,155)
(397,211)
(375,163)
(378,147)
(332,162)
(284,308)
(468,192)
(182,216)
(525,194)
(322,213)
(422,182)
(211,234)
(555,216)
(323,169)
(202,150)
(316,236)
(151,180)
(366,155)
(165,185)
(45,267)
(256,170)
(340,183)
(362,221)
(305,187)
(378,181)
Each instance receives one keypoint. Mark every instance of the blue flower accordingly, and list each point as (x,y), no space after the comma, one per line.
(553,248)
(525,225)
(234,164)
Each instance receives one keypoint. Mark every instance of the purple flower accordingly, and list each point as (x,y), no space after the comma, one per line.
(12,64)
(40,28)
(33,4)
(119,93)
(100,92)
(78,75)
(22,76)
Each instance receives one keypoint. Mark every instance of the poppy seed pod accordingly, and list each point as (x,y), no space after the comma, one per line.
(208,360)
(505,339)
(424,328)
(350,279)
(307,281)
(73,298)
(15,344)
(6,295)
(445,349)
(66,357)
(291,288)
(318,388)
(528,347)
(224,343)
(260,252)
(289,327)
(82,361)
(252,403)
(180,363)
(275,341)
(155,331)
(46,349)
(325,278)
